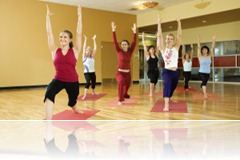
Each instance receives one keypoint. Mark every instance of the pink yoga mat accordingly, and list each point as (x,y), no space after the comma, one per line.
(182,89)
(174,133)
(70,115)
(91,97)
(126,103)
(72,125)
(175,107)
(211,96)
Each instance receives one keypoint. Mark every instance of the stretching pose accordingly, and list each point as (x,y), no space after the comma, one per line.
(151,56)
(187,67)
(204,58)
(64,59)
(88,62)
(124,55)
(170,57)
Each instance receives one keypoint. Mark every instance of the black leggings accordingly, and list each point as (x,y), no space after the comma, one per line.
(90,77)
(72,89)
(187,77)
(204,78)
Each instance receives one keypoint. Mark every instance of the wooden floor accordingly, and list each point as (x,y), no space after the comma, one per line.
(27,104)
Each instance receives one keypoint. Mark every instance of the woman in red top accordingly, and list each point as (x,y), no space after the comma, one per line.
(124,55)
(64,59)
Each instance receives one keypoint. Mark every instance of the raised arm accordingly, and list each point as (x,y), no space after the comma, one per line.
(179,33)
(160,36)
(183,54)
(213,45)
(94,45)
(145,47)
(51,43)
(84,47)
(191,54)
(133,45)
(199,49)
(78,47)
(114,36)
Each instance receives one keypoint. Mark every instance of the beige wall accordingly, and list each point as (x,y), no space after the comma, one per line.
(24,55)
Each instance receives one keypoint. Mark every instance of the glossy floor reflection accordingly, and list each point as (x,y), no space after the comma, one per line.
(136,140)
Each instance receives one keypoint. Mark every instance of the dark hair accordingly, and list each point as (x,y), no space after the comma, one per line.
(70,36)
(152,46)
(125,41)
(206,47)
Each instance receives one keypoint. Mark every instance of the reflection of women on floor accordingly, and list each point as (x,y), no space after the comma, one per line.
(168,150)
(204,58)
(187,67)
(64,59)
(88,62)
(72,151)
(151,55)
(170,57)
(124,55)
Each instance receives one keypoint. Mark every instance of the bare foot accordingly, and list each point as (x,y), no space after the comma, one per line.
(119,103)
(75,110)
(150,95)
(166,109)
(84,97)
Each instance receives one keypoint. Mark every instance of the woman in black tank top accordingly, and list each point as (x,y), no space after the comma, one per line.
(152,60)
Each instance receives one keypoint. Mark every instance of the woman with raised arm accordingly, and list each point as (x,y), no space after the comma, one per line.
(187,67)
(204,58)
(64,60)
(124,54)
(88,63)
(170,57)
(151,56)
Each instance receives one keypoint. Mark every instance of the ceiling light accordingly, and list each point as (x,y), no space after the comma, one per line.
(150,4)
(202,5)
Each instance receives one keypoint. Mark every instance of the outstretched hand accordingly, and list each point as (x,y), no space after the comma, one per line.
(85,37)
(79,10)
(134,28)
(48,11)
(113,26)
(94,37)
(178,18)
(214,37)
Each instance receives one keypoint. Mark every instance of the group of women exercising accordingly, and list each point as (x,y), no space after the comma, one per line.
(65,59)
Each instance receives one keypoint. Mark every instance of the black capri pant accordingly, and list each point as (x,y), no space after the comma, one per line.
(90,78)
(153,75)
(72,89)
(204,77)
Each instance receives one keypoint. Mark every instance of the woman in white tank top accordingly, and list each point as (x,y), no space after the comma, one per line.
(170,57)
(187,67)
(88,63)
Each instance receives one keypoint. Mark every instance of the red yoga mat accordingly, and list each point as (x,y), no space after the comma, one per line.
(70,115)
(211,96)
(182,89)
(175,107)
(91,97)
(126,103)
(72,125)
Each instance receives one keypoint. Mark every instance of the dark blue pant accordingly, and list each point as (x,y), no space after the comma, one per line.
(170,79)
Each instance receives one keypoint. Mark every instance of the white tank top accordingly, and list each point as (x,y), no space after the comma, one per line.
(88,64)
(170,57)
(187,66)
